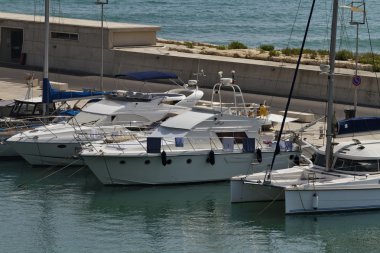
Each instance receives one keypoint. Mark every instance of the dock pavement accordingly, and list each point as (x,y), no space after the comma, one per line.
(13,85)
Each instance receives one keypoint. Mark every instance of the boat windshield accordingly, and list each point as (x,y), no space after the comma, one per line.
(87,118)
(357,165)
(21,109)
(319,159)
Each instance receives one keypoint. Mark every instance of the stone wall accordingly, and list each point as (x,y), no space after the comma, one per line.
(262,77)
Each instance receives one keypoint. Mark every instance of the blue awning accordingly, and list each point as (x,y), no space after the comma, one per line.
(358,125)
(148,75)
(50,95)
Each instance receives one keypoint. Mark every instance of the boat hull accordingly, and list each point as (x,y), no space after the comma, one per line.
(241,191)
(48,153)
(184,167)
(7,152)
(250,188)
(331,200)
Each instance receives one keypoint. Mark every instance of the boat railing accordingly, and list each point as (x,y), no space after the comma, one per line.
(127,140)
(311,178)
(109,133)
(10,126)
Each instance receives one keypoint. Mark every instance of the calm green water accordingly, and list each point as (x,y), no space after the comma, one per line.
(71,212)
(222,21)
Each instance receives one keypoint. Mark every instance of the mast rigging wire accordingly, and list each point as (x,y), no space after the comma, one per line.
(268,172)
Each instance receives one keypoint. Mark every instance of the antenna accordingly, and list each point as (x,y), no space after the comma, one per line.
(233,76)
(29,82)
(200,73)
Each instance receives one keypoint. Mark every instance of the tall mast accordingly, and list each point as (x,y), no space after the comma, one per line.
(330,87)
(46,49)
(46,86)
(277,149)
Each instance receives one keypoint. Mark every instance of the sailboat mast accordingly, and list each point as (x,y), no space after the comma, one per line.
(330,87)
(45,95)
(47,28)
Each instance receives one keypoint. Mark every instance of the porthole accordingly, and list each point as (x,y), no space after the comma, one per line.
(188,161)
(147,162)
(169,161)
(122,162)
(61,146)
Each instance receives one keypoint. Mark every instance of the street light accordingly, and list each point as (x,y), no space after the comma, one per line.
(358,17)
(102,3)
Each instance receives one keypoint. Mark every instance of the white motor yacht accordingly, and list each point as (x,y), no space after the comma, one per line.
(201,145)
(59,144)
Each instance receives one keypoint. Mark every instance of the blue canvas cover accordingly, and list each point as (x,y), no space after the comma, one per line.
(249,145)
(148,75)
(50,95)
(153,145)
(358,125)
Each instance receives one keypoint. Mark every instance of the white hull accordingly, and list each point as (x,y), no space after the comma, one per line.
(7,152)
(185,167)
(327,192)
(242,191)
(335,199)
(250,188)
(53,153)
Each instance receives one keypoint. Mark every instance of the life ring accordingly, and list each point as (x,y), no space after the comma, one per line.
(259,155)
(163,158)
(211,157)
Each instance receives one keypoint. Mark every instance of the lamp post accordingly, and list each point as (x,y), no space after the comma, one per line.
(358,17)
(102,3)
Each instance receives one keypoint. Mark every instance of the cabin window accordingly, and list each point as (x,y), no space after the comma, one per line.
(26,109)
(64,36)
(238,136)
(357,165)
(320,160)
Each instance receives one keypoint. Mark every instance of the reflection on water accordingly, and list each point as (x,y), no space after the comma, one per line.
(70,211)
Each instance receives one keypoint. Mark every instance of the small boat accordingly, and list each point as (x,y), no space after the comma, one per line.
(351,184)
(343,177)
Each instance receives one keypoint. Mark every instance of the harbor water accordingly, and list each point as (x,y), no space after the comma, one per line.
(45,210)
(52,210)
(220,22)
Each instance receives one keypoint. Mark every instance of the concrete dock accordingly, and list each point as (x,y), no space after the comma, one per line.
(75,46)
(13,85)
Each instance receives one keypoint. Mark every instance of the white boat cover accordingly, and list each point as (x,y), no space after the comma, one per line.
(278,118)
(187,120)
(104,107)
(165,132)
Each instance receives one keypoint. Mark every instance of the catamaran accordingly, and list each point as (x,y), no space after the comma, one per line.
(346,179)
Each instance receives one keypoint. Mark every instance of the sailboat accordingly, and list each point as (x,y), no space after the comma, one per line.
(346,179)
(29,113)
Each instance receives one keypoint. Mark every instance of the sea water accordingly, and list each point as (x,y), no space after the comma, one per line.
(47,210)
(252,22)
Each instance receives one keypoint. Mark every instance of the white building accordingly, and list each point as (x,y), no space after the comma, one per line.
(75,44)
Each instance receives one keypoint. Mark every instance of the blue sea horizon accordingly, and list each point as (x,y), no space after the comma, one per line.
(221,22)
